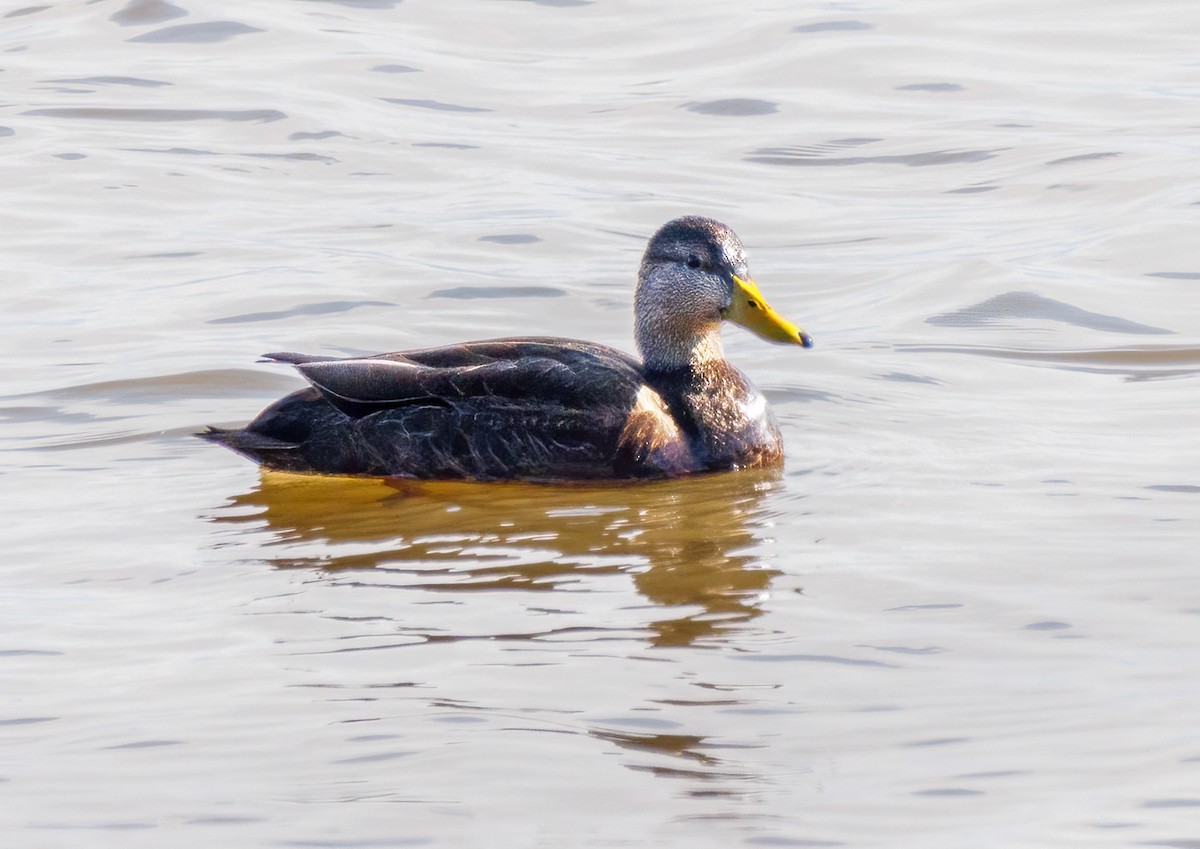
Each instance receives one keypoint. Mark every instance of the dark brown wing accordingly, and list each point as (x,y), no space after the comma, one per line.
(543,409)
(554,371)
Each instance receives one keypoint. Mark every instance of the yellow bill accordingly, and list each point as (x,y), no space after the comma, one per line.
(753,313)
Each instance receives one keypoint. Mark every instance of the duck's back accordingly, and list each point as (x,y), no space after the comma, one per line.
(534,409)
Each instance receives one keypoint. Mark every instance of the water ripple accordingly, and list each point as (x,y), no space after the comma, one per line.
(156,115)
(209,32)
(801,156)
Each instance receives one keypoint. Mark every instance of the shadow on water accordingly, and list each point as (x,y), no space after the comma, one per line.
(685,544)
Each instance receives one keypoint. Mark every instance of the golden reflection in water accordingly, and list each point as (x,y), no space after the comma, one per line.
(687,544)
(688,749)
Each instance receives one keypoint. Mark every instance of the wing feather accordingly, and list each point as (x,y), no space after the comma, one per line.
(544,370)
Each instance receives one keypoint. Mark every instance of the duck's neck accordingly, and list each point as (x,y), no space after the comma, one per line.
(671,328)
(665,351)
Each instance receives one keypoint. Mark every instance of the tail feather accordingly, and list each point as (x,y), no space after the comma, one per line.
(256,446)
(293,358)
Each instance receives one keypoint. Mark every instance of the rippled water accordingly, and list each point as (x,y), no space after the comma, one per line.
(966,614)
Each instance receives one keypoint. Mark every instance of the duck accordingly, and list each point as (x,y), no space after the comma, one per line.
(548,409)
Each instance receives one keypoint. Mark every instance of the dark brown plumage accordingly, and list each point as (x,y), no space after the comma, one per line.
(544,408)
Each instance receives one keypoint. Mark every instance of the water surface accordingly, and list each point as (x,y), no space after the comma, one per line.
(965,613)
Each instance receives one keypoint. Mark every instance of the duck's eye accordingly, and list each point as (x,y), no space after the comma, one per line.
(694,261)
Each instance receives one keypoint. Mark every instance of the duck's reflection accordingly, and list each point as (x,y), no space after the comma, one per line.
(689,545)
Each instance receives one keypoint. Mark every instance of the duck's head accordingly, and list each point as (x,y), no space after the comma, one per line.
(693,277)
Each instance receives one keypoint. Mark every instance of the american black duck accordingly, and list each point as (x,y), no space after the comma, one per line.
(549,409)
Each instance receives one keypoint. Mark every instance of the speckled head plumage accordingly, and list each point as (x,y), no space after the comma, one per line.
(693,276)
